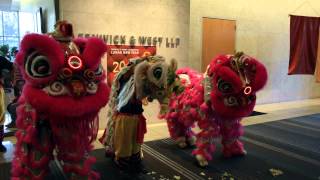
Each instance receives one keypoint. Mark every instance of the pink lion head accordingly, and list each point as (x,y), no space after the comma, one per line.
(63,75)
(234,83)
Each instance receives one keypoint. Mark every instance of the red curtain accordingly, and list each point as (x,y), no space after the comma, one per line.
(304,35)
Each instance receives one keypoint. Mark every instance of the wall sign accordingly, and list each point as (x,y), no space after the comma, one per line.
(167,42)
(118,57)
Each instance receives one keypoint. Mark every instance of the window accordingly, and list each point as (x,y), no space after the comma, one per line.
(28,22)
(14,25)
(10,28)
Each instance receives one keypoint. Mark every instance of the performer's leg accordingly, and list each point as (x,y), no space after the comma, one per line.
(73,154)
(136,159)
(12,111)
(231,131)
(180,133)
(33,148)
(125,136)
(205,142)
(2,147)
(75,159)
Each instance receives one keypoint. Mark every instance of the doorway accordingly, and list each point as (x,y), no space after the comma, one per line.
(218,37)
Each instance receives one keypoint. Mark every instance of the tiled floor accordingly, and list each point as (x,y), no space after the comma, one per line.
(157,129)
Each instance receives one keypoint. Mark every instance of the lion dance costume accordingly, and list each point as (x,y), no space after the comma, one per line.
(217,101)
(143,78)
(58,108)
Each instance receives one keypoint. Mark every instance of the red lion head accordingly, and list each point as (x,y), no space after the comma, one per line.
(234,83)
(63,76)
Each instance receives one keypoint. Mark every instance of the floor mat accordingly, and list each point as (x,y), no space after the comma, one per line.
(286,149)
(157,168)
(55,174)
(257,113)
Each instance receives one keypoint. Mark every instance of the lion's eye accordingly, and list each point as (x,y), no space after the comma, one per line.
(157,72)
(160,93)
(38,66)
(224,86)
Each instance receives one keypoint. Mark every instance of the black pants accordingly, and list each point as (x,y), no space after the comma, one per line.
(1,133)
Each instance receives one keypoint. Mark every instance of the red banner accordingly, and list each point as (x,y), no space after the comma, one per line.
(118,57)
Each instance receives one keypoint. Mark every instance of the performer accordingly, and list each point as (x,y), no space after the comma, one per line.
(143,78)
(217,101)
(2,115)
(5,68)
(18,83)
(60,101)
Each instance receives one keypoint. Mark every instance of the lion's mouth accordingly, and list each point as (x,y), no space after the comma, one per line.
(75,88)
(233,101)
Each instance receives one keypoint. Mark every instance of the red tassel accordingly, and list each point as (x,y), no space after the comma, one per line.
(39,164)
(204,107)
(94,175)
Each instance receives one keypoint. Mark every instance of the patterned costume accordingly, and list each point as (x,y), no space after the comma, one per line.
(217,101)
(58,108)
(143,78)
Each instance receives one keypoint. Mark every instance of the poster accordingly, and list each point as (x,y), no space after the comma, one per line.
(118,57)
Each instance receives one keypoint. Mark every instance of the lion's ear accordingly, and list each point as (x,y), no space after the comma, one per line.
(173,65)
(140,75)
